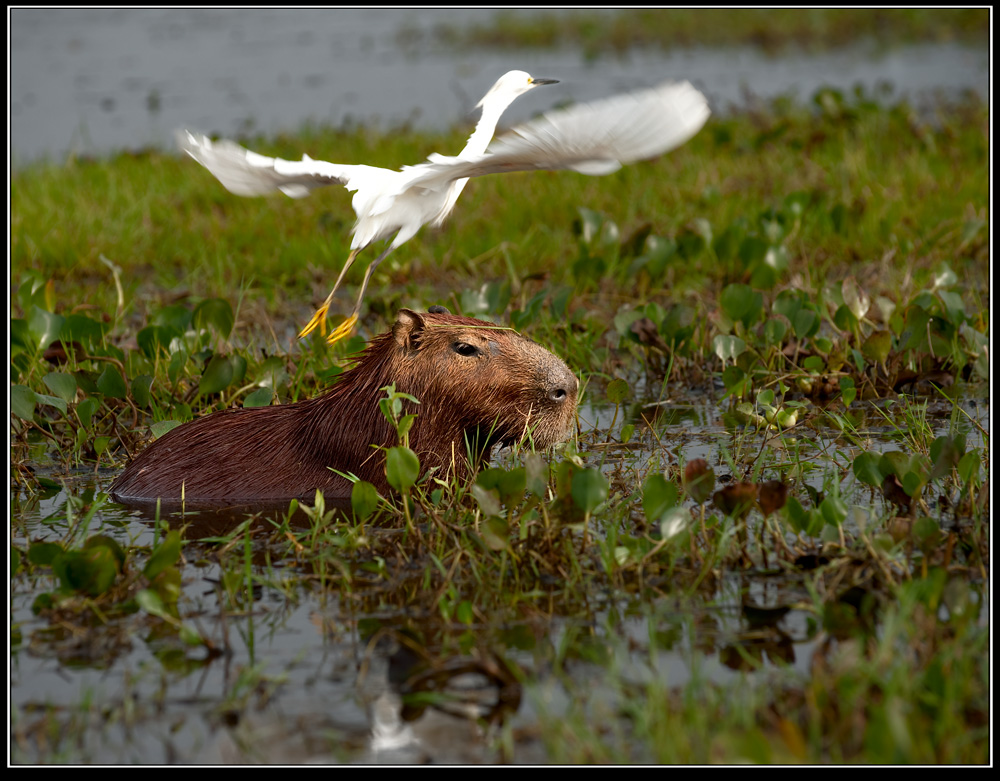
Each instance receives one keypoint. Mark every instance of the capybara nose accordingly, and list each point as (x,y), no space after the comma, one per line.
(563,386)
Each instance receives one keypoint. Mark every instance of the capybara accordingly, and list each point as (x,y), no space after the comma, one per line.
(477,383)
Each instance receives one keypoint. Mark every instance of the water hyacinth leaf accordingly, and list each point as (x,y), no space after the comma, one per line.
(844,319)
(855,299)
(834,510)
(141,386)
(656,255)
(847,390)
(626,433)
(536,475)
(42,554)
(82,329)
(618,391)
(589,225)
(801,520)
(894,462)
(727,244)
(969,466)
(111,383)
(44,326)
(103,541)
(877,346)
(91,571)
(752,251)
(22,401)
(736,381)
(496,533)
(589,489)
(85,411)
(658,496)
(161,427)
(690,243)
(151,602)
(728,347)
(364,500)
(51,401)
(156,338)
(488,499)
(165,554)
(402,468)
(945,453)
(177,360)
(674,521)
(219,375)
(913,483)
(736,301)
(62,385)
(774,331)
(176,317)
(216,313)
(261,397)
(272,373)
(101,444)
(805,323)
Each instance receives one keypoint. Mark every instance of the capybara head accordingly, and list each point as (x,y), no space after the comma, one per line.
(478,385)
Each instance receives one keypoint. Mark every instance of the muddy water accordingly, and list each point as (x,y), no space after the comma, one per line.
(94,81)
(302,676)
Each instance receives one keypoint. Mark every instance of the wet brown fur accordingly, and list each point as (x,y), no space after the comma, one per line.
(507,388)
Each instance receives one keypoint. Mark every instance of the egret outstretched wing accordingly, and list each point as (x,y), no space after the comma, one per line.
(247,173)
(592,138)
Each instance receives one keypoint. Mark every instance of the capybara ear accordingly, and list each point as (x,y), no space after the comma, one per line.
(407,329)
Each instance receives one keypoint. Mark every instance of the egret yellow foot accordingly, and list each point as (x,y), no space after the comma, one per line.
(318,320)
(342,330)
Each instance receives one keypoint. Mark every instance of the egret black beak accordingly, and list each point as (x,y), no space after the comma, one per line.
(536,82)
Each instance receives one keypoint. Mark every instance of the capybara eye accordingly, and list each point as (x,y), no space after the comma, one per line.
(466,349)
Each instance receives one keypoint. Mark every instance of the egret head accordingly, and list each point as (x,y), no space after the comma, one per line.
(510,85)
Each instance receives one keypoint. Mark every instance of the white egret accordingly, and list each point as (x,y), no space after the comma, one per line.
(591,138)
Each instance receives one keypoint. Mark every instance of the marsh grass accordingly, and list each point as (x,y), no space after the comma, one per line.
(818,273)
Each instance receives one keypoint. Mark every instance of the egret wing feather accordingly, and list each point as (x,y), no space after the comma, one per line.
(592,138)
(247,173)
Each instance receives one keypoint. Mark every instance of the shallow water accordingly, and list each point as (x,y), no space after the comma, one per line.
(95,81)
(303,676)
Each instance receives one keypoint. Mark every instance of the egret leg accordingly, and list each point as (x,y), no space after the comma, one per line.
(319,319)
(347,326)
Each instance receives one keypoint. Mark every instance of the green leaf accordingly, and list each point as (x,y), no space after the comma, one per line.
(62,385)
(589,488)
(45,326)
(22,401)
(217,377)
(259,398)
(215,313)
(658,496)
(736,300)
(150,601)
(618,391)
(111,384)
(877,346)
(364,500)
(155,338)
(727,347)
(165,554)
(52,401)
(161,427)
(402,468)
(42,554)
